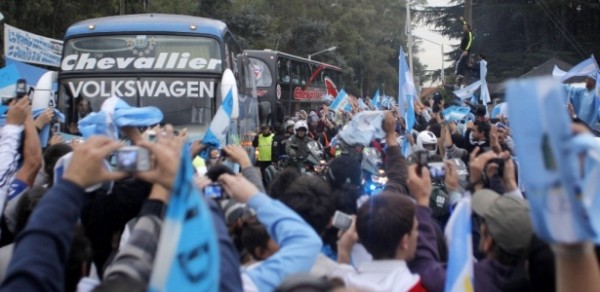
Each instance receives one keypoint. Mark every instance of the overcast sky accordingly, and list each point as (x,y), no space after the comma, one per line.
(430,54)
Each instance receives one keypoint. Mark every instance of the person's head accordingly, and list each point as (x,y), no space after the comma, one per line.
(265,130)
(80,258)
(311,198)
(289,127)
(26,204)
(257,241)
(466,27)
(482,130)
(300,128)
(343,170)
(590,81)
(83,106)
(502,132)
(387,226)
(51,156)
(505,226)
(283,179)
(313,120)
(120,283)
(427,141)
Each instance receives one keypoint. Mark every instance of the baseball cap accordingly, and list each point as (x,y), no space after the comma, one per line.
(507,219)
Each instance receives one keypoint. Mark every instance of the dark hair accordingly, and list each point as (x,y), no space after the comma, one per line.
(26,204)
(383,221)
(435,128)
(51,156)
(311,198)
(254,235)
(120,283)
(484,127)
(282,181)
(80,254)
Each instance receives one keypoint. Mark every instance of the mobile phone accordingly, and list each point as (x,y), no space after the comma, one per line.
(151,136)
(21,88)
(422,159)
(341,221)
(213,191)
(56,128)
(437,171)
(133,159)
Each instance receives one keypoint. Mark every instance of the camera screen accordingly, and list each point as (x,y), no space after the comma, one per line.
(127,160)
(213,191)
(437,171)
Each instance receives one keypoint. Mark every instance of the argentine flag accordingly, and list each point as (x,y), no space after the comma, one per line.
(407,92)
(187,258)
(216,134)
(468,91)
(458,234)
(341,102)
(586,67)
(485,92)
(376,101)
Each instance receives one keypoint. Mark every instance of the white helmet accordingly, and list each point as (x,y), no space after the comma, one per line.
(288,123)
(427,141)
(300,124)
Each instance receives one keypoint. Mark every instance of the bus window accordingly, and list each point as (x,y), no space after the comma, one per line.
(265,112)
(261,72)
(283,71)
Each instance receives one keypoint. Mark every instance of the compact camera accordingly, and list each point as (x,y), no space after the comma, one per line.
(342,221)
(133,159)
(213,191)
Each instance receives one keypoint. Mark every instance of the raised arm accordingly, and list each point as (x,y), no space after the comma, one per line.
(395,164)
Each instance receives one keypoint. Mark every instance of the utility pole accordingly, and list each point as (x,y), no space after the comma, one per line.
(408,29)
(469,12)
(122,7)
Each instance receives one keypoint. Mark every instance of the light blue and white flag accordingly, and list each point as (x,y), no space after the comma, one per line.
(362,105)
(187,258)
(410,123)
(468,91)
(500,109)
(563,204)
(363,128)
(341,102)
(485,92)
(456,113)
(407,92)
(459,277)
(587,66)
(216,135)
(376,101)
(115,113)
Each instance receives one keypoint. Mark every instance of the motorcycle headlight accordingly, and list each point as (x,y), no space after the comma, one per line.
(379,179)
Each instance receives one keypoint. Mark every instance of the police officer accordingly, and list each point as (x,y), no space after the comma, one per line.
(263,142)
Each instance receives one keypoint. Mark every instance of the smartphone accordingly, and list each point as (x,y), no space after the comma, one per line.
(341,221)
(151,136)
(213,191)
(437,171)
(133,159)
(21,88)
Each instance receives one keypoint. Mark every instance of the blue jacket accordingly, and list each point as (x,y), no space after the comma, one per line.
(42,248)
(299,244)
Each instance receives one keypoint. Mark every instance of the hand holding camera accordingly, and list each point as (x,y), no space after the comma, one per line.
(238,187)
(87,165)
(18,112)
(238,155)
(167,156)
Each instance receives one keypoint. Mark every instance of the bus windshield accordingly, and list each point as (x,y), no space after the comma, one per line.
(118,53)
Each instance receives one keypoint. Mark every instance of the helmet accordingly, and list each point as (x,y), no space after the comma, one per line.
(300,124)
(287,124)
(427,141)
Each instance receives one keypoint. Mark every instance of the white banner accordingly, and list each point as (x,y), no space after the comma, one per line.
(31,48)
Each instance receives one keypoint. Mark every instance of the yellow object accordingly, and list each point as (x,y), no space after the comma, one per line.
(198,162)
(265,145)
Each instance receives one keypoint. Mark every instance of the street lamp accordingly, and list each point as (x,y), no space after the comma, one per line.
(323,51)
(442,50)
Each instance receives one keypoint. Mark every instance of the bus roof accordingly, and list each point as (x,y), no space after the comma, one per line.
(268,52)
(148,23)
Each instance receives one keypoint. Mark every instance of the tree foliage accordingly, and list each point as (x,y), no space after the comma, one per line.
(517,35)
(367,33)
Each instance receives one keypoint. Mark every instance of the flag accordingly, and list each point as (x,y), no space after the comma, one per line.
(362,105)
(407,85)
(588,66)
(563,204)
(410,123)
(458,234)
(187,258)
(468,91)
(376,101)
(363,128)
(341,102)
(219,126)
(485,92)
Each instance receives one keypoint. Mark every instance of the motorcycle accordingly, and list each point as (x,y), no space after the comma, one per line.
(374,177)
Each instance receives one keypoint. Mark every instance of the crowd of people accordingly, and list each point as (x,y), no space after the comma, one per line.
(71,222)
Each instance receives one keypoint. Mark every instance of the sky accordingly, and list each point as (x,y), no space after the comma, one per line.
(430,54)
